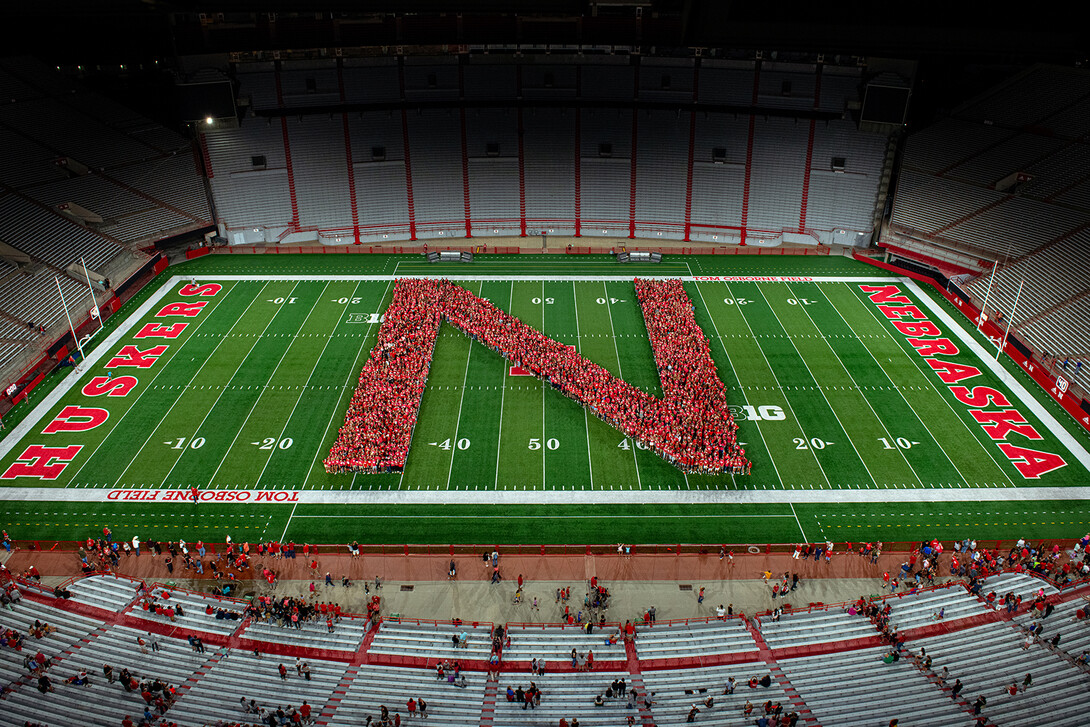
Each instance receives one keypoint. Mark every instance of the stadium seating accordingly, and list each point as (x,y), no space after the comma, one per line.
(373,686)
(433,642)
(255,201)
(193,606)
(848,685)
(554,644)
(562,695)
(804,628)
(675,691)
(695,639)
(989,658)
(855,688)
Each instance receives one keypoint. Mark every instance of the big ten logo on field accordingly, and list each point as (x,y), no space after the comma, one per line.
(746,412)
(370,319)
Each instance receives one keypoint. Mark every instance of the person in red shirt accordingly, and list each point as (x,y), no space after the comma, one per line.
(304,710)
(127,722)
(411,706)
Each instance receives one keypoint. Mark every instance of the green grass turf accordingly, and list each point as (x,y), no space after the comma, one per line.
(252,394)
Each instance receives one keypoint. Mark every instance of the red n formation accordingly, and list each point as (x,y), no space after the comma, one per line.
(690,427)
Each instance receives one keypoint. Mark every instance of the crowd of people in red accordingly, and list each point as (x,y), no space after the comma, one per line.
(691,427)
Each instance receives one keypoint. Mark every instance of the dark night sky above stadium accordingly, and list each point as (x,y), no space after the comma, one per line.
(72,28)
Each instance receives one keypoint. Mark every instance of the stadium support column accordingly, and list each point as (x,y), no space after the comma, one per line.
(749,146)
(635,138)
(692,148)
(465,149)
(578,144)
(809,154)
(405,142)
(522,159)
(348,155)
(287,150)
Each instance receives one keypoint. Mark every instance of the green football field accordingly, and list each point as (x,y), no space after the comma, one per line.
(850,426)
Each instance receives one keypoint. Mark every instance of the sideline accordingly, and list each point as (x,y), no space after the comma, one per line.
(172,498)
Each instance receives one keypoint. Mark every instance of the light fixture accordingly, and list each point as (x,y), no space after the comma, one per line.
(208,120)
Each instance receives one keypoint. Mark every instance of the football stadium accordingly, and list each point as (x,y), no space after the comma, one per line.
(337,343)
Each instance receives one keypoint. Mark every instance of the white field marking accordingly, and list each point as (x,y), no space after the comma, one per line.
(741,388)
(184,387)
(974,495)
(620,375)
(779,386)
(219,396)
(804,538)
(893,385)
(290,516)
(1013,384)
(458,420)
(611,516)
(544,436)
(579,350)
(344,389)
(261,394)
(927,375)
(302,389)
(503,390)
(30,421)
(857,387)
(149,384)
(819,388)
(562,278)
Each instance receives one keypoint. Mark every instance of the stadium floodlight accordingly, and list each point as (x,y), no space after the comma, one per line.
(209,120)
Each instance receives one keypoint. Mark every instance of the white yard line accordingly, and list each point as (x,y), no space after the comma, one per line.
(783,391)
(579,350)
(995,367)
(818,387)
(567,497)
(562,278)
(804,538)
(856,384)
(30,421)
(185,387)
(148,385)
(544,436)
(745,398)
(290,516)
(354,371)
(257,340)
(503,391)
(929,377)
(895,387)
(458,421)
(261,394)
(620,375)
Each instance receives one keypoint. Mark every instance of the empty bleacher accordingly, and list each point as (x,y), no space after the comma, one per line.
(554,644)
(856,688)
(697,639)
(676,690)
(433,642)
(593,94)
(804,628)
(236,674)
(562,695)
(108,592)
(989,658)
(373,686)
